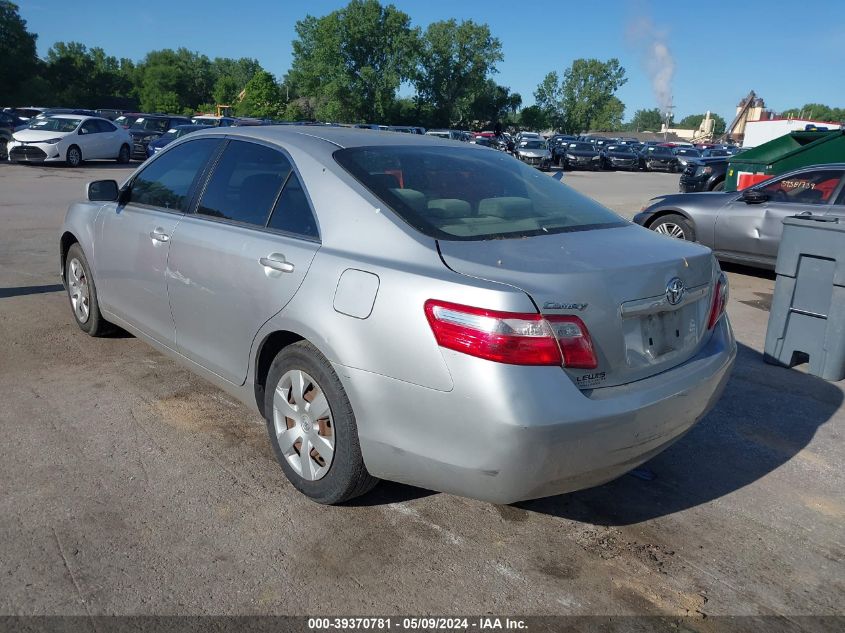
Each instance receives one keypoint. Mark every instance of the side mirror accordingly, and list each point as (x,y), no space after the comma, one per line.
(754,196)
(103,191)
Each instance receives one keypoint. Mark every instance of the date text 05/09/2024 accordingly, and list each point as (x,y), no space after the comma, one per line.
(485,623)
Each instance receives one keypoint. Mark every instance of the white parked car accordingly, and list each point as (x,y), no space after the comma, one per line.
(71,139)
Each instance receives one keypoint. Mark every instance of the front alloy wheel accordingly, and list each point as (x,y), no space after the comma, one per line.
(674,225)
(77,289)
(74,156)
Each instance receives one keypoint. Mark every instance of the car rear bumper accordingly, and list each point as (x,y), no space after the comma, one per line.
(507,433)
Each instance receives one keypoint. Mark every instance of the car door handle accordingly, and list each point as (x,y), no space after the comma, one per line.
(276,261)
(159,236)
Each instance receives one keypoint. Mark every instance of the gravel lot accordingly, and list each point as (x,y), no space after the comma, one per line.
(129,486)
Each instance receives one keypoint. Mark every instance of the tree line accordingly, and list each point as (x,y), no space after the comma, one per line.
(347,66)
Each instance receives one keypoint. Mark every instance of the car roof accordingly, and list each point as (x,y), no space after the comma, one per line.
(74,116)
(318,137)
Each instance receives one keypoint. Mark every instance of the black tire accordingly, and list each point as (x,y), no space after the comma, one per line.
(4,149)
(347,477)
(124,155)
(73,158)
(719,186)
(93,324)
(666,225)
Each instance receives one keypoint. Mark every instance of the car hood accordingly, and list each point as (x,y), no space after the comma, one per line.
(708,199)
(573,273)
(582,153)
(660,157)
(532,152)
(29,135)
(626,155)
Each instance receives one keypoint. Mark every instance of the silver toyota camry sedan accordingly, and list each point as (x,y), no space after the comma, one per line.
(407,308)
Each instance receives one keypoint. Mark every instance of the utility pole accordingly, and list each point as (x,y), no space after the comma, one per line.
(668,117)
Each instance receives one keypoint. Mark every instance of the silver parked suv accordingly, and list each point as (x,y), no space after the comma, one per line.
(408,308)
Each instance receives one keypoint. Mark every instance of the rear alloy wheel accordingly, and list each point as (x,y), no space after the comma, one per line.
(124,155)
(674,225)
(74,156)
(312,427)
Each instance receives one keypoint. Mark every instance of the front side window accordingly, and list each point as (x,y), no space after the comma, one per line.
(168,180)
(458,193)
(245,183)
(809,187)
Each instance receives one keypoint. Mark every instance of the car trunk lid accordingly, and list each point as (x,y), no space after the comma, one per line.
(619,281)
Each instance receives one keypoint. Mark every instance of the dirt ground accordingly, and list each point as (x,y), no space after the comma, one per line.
(129,486)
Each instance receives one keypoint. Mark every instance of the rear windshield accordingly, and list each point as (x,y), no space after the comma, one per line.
(457,193)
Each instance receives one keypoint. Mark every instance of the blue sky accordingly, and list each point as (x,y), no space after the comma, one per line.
(720,50)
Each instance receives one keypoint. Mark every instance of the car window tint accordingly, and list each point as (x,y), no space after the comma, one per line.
(90,127)
(105,126)
(292,212)
(166,181)
(809,187)
(245,183)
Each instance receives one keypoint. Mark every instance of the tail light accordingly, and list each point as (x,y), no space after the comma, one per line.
(515,338)
(720,300)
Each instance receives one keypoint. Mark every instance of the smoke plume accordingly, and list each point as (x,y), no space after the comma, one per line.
(656,58)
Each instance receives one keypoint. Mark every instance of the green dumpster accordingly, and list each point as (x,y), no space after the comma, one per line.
(780,155)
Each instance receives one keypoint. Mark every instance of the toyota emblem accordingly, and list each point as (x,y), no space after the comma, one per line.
(675,290)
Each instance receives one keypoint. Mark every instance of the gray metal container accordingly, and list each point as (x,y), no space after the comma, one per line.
(807,319)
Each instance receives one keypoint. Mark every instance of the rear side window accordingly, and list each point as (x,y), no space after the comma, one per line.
(457,193)
(166,182)
(292,213)
(105,126)
(245,183)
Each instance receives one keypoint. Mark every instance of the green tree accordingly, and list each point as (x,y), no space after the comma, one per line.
(816,111)
(174,81)
(18,59)
(533,118)
(645,121)
(587,88)
(692,122)
(262,97)
(494,104)
(87,78)
(353,60)
(609,117)
(549,98)
(454,63)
